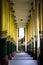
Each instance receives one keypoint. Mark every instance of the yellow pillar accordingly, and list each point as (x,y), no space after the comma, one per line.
(25,38)
(13,28)
(7,18)
(36,23)
(41,29)
(3,34)
(3,19)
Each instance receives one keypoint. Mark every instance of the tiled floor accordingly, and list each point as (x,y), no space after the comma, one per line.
(22,59)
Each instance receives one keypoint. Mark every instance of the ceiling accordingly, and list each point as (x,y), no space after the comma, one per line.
(22,8)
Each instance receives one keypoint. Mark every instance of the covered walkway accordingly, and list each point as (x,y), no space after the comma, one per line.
(22,59)
(21,32)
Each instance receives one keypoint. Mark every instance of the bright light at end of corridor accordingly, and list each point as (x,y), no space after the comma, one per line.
(21,33)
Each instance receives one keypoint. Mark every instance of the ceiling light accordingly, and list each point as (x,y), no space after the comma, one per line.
(28,19)
(11,3)
(32,3)
(21,19)
(14,16)
(8,0)
(13,11)
(29,11)
(11,8)
(14,20)
(29,16)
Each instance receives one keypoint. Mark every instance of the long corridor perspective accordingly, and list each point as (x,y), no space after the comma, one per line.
(21,32)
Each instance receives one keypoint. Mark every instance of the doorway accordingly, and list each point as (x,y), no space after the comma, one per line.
(21,39)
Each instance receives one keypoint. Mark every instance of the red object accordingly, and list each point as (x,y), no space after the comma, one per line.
(13,54)
(4,61)
(10,57)
(0,63)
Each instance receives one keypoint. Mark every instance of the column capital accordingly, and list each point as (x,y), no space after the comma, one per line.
(3,34)
(41,34)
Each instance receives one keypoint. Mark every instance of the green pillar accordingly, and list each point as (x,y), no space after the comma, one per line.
(9,47)
(3,48)
(13,49)
(3,35)
(32,47)
(35,48)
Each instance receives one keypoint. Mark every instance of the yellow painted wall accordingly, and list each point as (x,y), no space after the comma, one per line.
(8,23)
(3,16)
(31,29)
(41,15)
(7,19)
(13,28)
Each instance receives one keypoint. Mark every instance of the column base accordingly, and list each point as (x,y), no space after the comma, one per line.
(0,63)
(32,54)
(35,56)
(13,54)
(9,57)
(4,61)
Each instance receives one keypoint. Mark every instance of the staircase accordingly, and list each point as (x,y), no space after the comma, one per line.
(22,58)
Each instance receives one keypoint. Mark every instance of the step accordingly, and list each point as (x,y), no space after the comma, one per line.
(22,62)
(22,58)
